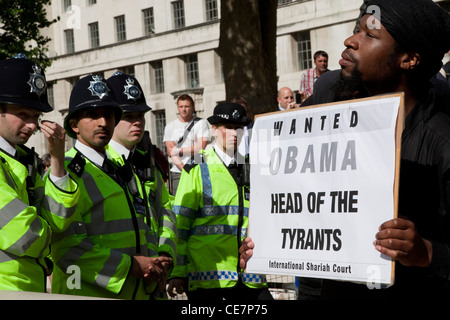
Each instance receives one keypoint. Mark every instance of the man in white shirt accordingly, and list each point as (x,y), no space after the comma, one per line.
(184,137)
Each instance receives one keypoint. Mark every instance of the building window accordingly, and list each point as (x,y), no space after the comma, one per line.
(66,5)
(149,21)
(91,2)
(178,14)
(192,77)
(211,10)
(303,40)
(158,76)
(160,124)
(121,34)
(127,70)
(94,35)
(70,41)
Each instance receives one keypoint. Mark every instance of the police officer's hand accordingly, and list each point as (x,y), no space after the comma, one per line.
(149,269)
(56,137)
(176,284)
(399,239)
(165,274)
(245,252)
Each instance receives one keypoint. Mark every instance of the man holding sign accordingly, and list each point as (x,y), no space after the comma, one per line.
(399,47)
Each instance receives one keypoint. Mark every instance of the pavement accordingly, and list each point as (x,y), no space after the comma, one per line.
(25,295)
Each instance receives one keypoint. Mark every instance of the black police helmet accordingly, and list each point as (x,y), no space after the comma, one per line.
(128,92)
(22,82)
(91,91)
(229,113)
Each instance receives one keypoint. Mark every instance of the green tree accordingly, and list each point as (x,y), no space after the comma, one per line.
(247,46)
(20,25)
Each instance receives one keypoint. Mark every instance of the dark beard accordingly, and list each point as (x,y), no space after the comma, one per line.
(347,88)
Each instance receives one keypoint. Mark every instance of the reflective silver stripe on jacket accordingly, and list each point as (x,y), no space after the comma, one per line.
(216,275)
(211,211)
(207,188)
(184,211)
(98,225)
(8,213)
(205,230)
(57,208)
(109,268)
(29,237)
(5,256)
(9,179)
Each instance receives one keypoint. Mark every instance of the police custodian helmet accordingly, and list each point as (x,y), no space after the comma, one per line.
(128,92)
(91,91)
(22,82)
(229,113)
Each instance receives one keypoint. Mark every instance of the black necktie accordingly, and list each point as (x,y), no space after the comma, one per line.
(108,168)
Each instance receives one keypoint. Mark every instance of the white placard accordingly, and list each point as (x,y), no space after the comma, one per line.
(323,180)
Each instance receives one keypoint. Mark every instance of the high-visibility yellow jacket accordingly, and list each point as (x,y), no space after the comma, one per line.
(93,256)
(211,224)
(160,217)
(30,208)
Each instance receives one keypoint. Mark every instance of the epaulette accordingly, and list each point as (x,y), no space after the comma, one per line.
(189,166)
(26,149)
(195,160)
(77,164)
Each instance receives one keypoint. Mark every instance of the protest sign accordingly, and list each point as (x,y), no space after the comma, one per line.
(323,179)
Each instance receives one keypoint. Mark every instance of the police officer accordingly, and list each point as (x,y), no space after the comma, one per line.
(30,208)
(104,253)
(211,205)
(127,134)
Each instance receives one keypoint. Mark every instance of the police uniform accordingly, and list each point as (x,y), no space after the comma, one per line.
(30,207)
(211,206)
(94,256)
(159,215)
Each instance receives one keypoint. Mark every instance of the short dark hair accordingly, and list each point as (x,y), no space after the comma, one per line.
(320,53)
(186,97)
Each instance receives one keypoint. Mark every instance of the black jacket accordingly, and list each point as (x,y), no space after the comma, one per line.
(424,195)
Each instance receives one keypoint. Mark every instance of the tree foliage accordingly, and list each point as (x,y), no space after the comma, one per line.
(247,46)
(20,25)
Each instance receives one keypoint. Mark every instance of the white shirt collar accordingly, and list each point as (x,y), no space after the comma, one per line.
(94,156)
(120,149)
(222,155)
(7,147)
